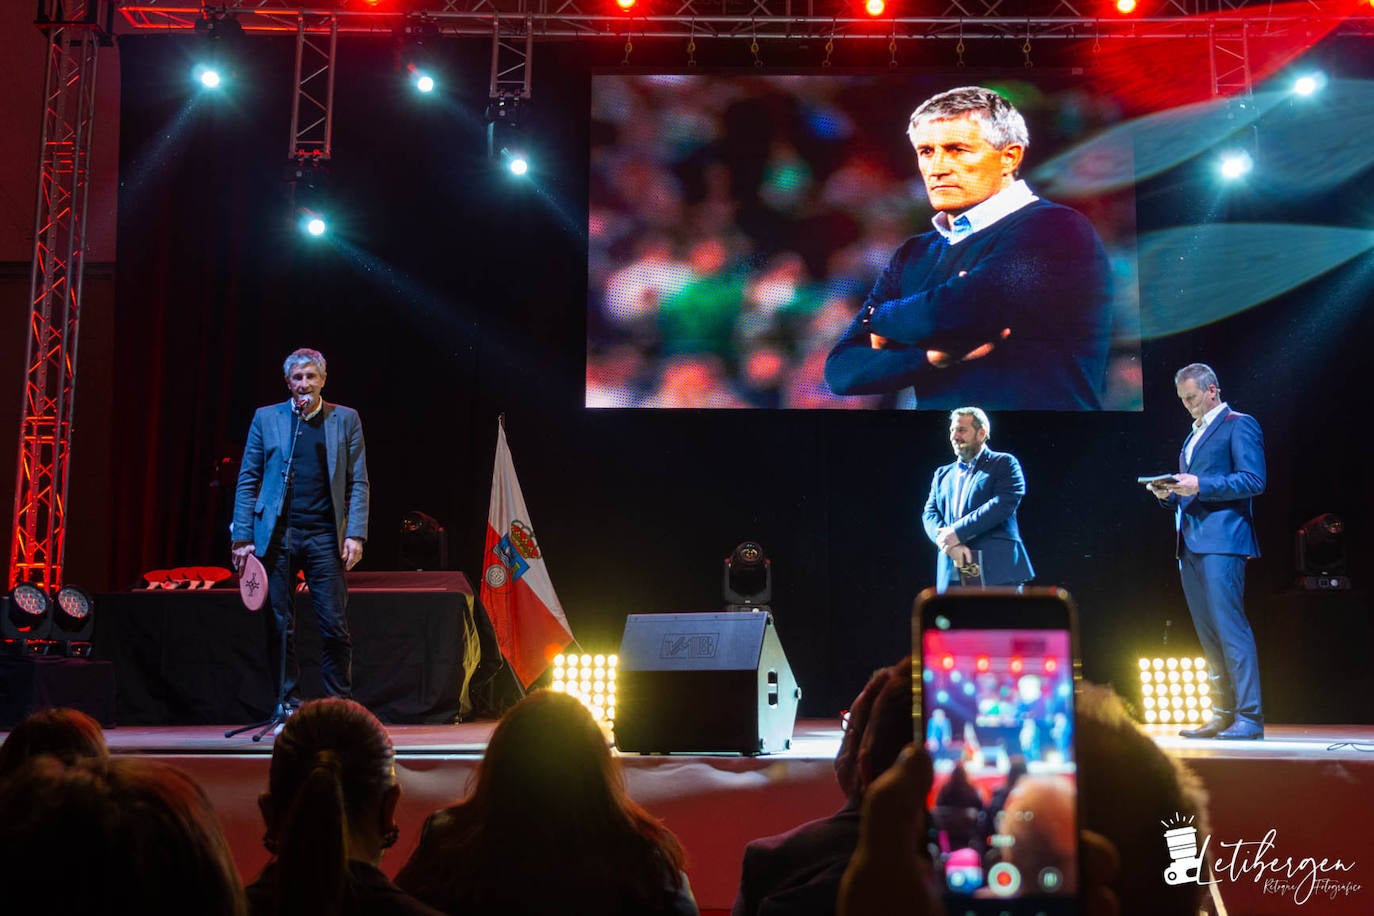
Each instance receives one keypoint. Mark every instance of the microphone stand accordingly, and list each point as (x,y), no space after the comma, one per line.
(279,712)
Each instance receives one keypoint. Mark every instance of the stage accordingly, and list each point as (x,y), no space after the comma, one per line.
(1309,785)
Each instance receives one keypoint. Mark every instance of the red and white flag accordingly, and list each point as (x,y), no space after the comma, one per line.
(529,622)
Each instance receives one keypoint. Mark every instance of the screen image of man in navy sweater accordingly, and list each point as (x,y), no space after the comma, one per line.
(1005,302)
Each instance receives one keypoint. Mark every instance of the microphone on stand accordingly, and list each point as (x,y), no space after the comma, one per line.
(301,403)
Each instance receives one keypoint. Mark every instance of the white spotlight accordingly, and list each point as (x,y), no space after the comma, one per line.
(208,77)
(1235,165)
(424,82)
(1309,83)
(315,226)
(515,161)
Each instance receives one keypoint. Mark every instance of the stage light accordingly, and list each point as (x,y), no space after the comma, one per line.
(1309,84)
(309,202)
(219,35)
(74,620)
(1235,164)
(1319,553)
(625,4)
(748,582)
(416,53)
(505,135)
(27,619)
(875,7)
(1184,701)
(1125,7)
(590,679)
(424,542)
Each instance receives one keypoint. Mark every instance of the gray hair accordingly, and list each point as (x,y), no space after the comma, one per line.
(302,357)
(1002,124)
(980,419)
(1198,372)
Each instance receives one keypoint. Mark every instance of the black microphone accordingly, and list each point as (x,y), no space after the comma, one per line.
(301,403)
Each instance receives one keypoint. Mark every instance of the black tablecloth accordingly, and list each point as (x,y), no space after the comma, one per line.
(199,657)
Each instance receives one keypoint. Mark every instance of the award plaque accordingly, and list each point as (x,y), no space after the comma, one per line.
(971,576)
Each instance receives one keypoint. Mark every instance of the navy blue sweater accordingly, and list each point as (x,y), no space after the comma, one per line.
(1040,272)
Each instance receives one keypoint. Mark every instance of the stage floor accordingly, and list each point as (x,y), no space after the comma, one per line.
(1307,788)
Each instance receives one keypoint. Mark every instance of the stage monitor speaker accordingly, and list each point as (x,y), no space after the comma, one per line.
(704,683)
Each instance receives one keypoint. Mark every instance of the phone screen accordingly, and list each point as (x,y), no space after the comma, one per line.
(997,676)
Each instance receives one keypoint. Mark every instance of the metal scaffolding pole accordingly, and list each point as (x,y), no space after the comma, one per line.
(74,29)
(312,104)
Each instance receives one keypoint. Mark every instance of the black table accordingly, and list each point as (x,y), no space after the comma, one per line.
(186,657)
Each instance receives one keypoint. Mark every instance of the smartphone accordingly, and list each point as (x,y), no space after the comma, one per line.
(996,675)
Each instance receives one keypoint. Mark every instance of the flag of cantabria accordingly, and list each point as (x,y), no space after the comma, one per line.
(516,591)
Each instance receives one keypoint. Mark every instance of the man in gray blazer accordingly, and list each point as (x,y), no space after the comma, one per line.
(301,504)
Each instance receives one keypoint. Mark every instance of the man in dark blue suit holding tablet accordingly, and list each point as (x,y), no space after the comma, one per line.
(971,509)
(1221,469)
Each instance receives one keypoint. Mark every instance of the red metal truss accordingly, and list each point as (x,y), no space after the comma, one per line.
(73,30)
(1218,20)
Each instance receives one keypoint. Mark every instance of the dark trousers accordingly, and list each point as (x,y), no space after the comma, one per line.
(1214,585)
(318,554)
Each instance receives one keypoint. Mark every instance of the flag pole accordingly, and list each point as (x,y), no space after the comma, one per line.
(516,590)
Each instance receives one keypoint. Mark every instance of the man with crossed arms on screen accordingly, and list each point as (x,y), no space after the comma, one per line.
(972,507)
(1005,302)
(1221,470)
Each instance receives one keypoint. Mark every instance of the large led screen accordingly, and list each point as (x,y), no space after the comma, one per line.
(766,241)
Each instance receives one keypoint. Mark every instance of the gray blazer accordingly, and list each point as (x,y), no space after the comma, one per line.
(261,492)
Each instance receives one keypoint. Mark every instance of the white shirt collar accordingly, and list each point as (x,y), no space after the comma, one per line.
(1003,203)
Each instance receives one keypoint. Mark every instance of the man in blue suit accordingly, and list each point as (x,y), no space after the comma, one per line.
(1221,469)
(302,504)
(972,507)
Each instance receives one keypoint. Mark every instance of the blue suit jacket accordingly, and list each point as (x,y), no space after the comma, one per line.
(1228,462)
(989,520)
(261,492)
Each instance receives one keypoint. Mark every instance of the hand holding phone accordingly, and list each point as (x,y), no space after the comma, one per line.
(996,676)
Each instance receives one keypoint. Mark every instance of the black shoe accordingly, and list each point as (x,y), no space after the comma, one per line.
(1241,730)
(1210,730)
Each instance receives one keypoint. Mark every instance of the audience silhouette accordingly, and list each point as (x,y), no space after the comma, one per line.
(548,828)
